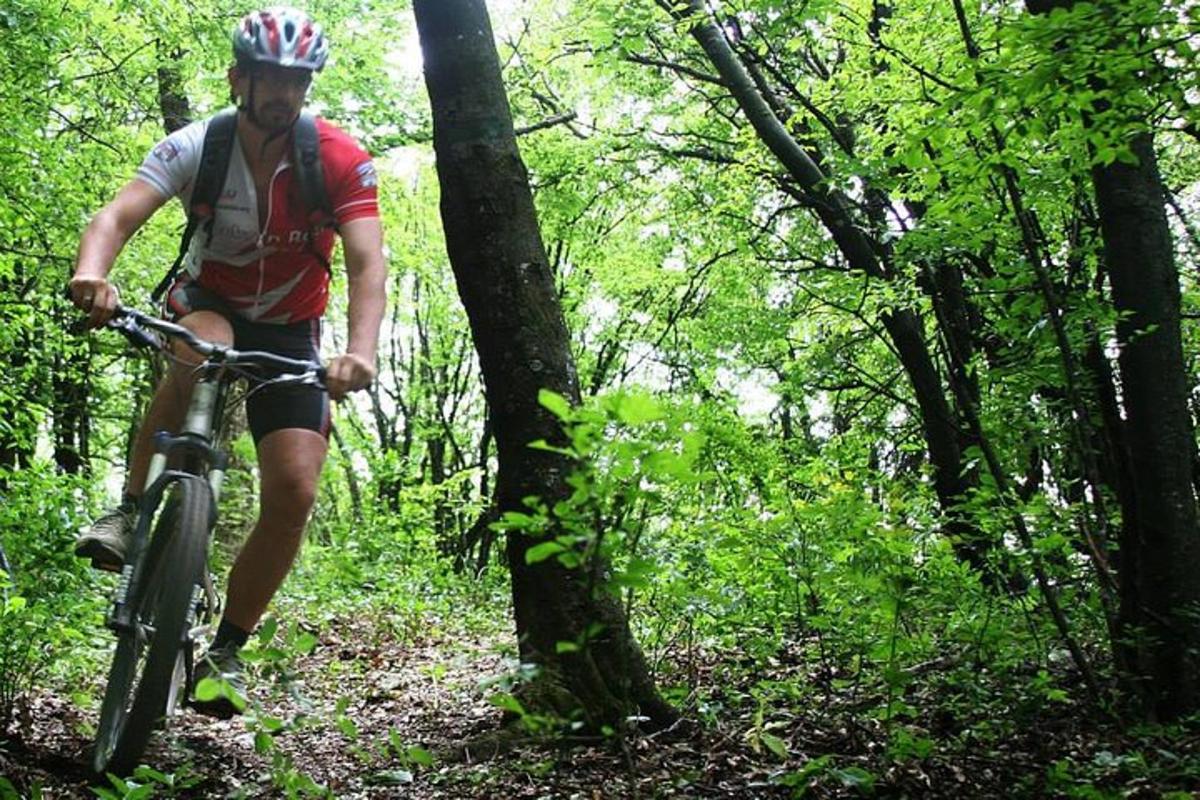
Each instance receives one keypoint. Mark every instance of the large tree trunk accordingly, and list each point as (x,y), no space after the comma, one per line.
(1145,289)
(1160,595)
(505,283)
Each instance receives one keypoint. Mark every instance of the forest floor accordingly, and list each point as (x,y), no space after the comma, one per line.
(364,712)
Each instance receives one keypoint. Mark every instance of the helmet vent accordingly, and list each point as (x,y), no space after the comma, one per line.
(281,35)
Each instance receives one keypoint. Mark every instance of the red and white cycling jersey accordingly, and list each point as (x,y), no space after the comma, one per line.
(267,274)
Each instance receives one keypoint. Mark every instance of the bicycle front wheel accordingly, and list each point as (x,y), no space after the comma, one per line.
(147,665)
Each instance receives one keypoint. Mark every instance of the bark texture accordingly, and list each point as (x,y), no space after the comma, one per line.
(506,286)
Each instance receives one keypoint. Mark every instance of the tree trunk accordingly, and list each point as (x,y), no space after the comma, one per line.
(507,289)
(172,102)
(1145,289)
(1158,576)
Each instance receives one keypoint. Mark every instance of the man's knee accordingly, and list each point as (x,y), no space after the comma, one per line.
(290,463)
(207,325)
(287,500)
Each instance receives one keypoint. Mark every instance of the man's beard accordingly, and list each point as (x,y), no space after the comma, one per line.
(275,117)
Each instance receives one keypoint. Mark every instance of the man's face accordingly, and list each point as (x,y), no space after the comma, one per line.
(278,92)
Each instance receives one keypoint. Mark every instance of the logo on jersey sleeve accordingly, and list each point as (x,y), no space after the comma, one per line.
(166,151)
(366,175)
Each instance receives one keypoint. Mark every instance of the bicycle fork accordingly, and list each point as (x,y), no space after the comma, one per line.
(194,444)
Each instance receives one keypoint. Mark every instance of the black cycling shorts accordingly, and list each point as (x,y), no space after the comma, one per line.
(271,408)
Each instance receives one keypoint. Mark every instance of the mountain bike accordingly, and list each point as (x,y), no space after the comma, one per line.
(165,601)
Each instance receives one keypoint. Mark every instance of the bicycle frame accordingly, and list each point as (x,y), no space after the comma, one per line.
(195,450)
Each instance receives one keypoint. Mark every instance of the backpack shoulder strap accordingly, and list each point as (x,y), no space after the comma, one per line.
(214,163)
(210,180)
(306,154)
(310,176)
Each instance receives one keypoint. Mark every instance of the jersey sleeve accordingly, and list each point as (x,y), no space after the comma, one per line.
(171,166)
(352,183)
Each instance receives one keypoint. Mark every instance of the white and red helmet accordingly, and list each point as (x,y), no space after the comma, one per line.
(280,35)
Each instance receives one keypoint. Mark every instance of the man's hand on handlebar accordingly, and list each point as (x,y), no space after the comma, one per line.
(348,373)
(96,297)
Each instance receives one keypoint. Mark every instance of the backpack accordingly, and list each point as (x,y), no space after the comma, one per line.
(219,141)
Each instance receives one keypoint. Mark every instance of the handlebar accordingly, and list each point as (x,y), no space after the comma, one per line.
(132,324)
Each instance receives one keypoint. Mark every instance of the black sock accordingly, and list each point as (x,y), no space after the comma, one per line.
(227,632)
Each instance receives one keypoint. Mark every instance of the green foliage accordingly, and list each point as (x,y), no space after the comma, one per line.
(750,462)
(147,783)
(629,454)
(47,605)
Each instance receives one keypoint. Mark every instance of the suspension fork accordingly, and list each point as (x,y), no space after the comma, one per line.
(196,456)
(197,437)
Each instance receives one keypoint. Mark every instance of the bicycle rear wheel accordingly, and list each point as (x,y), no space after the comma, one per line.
(148,666)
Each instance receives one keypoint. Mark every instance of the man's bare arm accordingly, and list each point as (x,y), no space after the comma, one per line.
(102,240)
(362,241)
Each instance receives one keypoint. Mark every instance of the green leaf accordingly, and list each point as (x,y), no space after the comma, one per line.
(855,778)
(208,689)
(232,696)
(542,444)
(304,643)
(267,632)
(774,744)
(347,727)
(506,702)
(419,755)
(636,408)
(263,743)
(144,773)
(270,724)
(566,647)
(542,551)
(555,403)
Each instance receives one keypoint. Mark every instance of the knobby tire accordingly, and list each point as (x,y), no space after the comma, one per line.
(144,667)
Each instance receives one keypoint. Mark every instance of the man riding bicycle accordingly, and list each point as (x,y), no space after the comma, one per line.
(258,280)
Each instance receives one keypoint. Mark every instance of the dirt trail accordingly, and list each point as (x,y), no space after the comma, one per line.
(359,714)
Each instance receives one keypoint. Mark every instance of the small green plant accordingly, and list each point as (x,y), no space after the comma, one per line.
(24,652)
(9,792)
(276,657)
(629,452)
(147,782)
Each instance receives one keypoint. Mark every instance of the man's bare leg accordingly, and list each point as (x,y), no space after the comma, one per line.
(289,462)
(169,404)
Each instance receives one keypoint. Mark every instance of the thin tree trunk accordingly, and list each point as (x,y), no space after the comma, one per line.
(348,471)
(943,432)
(1145,289)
